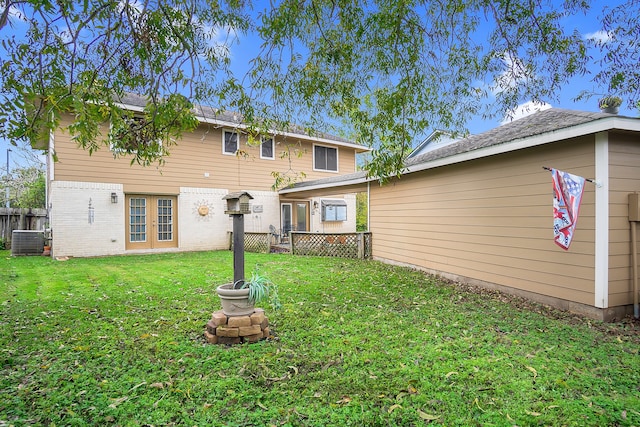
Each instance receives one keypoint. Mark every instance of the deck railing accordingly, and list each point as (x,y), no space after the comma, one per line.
(344,245)
(254,242)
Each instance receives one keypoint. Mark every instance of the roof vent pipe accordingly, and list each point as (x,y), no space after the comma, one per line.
(610,104)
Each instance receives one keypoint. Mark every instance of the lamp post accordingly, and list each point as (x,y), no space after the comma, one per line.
(8,203)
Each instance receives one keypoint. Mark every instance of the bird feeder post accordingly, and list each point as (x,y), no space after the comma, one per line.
(238,206)
(238,249)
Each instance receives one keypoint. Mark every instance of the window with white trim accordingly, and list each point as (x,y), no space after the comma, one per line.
(230,144)
(334,210)
(325,158)
(267,150)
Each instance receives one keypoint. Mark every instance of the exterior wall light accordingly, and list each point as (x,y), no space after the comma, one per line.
(114,198)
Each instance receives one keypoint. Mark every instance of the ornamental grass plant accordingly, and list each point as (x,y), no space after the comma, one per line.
(118,341)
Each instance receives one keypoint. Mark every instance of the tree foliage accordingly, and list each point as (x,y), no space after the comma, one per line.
(362,213)
(379,71)
(27,188)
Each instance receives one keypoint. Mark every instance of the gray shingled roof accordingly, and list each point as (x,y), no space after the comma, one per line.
(539,123)
(232,118)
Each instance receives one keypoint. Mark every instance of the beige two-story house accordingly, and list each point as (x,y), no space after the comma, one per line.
(480,211)
(101,204)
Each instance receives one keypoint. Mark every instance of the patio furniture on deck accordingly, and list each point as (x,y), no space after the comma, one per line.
(275,234)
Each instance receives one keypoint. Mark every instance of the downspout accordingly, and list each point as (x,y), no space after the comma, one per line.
(368,205)
(50,176)
(601,289)
(634,246)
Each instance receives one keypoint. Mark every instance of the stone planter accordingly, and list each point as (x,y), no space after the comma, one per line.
(235,302)
(229,330)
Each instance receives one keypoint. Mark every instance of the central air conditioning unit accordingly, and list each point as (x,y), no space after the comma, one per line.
(27,242)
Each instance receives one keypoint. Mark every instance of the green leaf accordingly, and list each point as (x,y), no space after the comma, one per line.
(428,417)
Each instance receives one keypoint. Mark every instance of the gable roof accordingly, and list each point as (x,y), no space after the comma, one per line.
(438,138)
(540,128)
(233,120)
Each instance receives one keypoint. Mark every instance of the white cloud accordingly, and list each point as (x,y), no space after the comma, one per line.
(16,13)
(524,110)
(600,37)
(221,39)
(514,74)
(135,7)
(218,39)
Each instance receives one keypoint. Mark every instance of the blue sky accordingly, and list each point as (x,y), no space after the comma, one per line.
(246,47)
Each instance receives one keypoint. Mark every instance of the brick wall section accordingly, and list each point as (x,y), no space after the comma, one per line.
(223,329)
(202,232)
(73,234)
(206,232)
(259,222)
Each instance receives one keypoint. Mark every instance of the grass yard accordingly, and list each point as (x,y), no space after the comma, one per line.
(119,341)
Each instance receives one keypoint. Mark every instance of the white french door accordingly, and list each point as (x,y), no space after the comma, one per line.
(294,216)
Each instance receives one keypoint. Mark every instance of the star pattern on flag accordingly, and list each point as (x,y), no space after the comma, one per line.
(567,196)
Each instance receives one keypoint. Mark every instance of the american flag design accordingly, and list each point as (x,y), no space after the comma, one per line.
(567,195)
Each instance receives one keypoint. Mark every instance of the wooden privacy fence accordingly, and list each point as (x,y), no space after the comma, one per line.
(344,245)
(20,219)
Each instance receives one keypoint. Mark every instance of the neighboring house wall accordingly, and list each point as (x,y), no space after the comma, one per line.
(491,220)
(481,211)
(624,178)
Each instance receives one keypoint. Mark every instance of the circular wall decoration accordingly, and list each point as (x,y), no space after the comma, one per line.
(203,209)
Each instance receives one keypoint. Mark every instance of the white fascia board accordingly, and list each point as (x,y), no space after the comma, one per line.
(602,125)
(286,134)
(135,108)
(324,185)
(236,125)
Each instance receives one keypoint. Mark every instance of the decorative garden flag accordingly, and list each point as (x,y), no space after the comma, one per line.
(567,195)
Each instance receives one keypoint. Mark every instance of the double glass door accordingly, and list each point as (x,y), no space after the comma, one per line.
(151,222)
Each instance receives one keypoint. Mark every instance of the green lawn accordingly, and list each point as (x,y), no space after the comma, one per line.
(119,341)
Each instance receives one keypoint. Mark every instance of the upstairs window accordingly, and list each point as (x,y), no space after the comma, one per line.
(229,142)
(325,158)
(267,149)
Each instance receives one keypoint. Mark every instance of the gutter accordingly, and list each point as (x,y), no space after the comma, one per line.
(237,125)
(593,127)
(331,184)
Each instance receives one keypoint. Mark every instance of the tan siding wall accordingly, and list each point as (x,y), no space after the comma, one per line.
(196,154)
(491,220)
(624,178)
